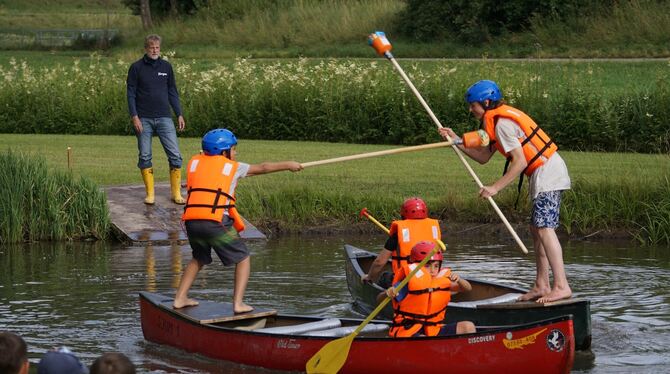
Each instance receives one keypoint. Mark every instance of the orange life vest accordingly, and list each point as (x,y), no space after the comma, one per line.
(424,306)
(410,232)
(537,143)
(210,184)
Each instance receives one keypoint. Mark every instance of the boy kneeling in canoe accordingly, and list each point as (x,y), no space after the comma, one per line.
(419,307)
(210,214)
(414,227)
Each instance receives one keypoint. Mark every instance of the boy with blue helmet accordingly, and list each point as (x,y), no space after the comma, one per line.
(211,214)
(529,151)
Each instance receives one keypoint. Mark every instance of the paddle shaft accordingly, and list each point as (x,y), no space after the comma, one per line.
(404,76)
(397,288)
(378,153)
(373,219)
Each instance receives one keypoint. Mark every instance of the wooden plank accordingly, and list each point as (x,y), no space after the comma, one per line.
(212,312)
(527,304)
(158,224)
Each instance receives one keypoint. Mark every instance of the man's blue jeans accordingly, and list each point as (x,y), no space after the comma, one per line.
(164,128)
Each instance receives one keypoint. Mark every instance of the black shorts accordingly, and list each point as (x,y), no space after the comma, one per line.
(447,329)
(204,235)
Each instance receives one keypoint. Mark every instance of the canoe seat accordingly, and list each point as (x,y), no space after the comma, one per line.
(342,331)
(303,328)
(506,298)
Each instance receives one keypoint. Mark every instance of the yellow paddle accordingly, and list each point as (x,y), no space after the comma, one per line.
(332,356)
(364,212)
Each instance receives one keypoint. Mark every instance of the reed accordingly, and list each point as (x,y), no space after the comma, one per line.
(43,204)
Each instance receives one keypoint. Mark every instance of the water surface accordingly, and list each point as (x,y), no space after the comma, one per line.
(84,295)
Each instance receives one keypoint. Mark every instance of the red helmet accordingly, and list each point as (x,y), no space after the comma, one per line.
(414,208)
(422,249)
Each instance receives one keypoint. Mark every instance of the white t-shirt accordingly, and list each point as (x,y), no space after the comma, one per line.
(241,172)
(552,176)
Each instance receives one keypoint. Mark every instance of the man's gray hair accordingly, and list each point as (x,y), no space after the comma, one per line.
(151,38)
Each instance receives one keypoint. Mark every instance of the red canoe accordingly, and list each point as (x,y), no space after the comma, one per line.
(286,342)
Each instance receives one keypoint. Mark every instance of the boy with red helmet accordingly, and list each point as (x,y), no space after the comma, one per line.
(419,307)
(414,227)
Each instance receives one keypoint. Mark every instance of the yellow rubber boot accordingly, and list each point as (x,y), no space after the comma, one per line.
(148,177)
(175,185)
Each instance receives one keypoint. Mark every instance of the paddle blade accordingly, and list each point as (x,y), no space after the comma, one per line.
(331,357)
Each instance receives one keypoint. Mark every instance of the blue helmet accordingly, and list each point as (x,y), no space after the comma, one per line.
(218,140)
(483,90)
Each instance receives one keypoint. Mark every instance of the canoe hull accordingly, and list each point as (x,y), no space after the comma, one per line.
(547,346)
(365,295)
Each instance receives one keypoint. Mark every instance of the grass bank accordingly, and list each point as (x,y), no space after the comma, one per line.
(39,203)
(612,192)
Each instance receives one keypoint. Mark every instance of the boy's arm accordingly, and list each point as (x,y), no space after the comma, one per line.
(400,294)
(482,155)
(516,167)
(459,284)
(271,167)
(377,265)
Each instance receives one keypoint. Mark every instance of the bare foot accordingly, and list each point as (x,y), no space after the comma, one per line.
(555,295)
(533,294)
(184,303)
(242,308)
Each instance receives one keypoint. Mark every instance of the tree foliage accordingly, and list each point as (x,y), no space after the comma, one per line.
(161,9)
(478,21)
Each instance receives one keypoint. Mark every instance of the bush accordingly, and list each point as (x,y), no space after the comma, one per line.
(478,21)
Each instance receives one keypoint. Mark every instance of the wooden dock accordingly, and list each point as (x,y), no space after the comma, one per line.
(139,224)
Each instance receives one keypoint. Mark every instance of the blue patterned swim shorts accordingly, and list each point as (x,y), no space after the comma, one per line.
(546,210)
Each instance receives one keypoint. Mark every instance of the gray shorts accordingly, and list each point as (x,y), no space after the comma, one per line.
(546,210)
(204,235)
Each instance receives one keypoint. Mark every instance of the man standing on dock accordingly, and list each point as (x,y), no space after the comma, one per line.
(151,90)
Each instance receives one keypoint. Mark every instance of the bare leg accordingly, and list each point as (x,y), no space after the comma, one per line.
(381,296)
(465,327)
(181,300)
(560,289)
(242,271)
(541,286)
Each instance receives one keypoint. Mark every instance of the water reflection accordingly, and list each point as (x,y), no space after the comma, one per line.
(84,295)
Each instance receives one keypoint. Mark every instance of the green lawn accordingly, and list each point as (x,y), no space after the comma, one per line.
(111,160)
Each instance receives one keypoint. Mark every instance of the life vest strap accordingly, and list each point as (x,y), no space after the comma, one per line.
(218,192)
(214,208)
(529,163)
(427,290)
(415,316)
(409,322)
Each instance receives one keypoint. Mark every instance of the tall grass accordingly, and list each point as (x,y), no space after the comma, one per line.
(582,106)
(282,24)
(627,29)
(336,28)
(43,204)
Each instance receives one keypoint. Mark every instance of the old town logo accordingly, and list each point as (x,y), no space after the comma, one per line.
(521,342)
(555,341)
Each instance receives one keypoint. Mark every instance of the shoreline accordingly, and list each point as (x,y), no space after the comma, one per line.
(465,229)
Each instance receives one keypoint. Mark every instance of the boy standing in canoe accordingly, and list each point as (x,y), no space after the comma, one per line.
(210,214)
(529,151)
(419,307)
